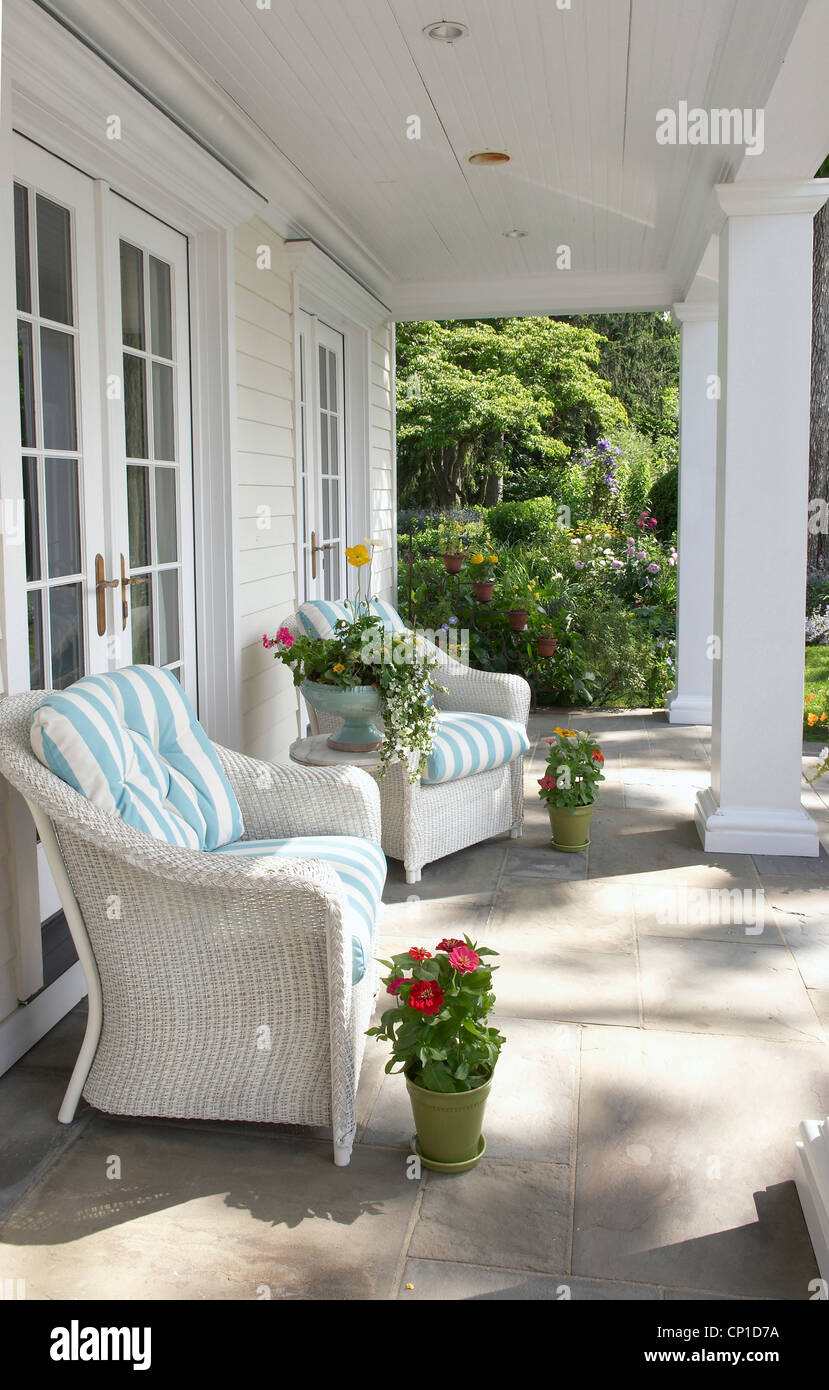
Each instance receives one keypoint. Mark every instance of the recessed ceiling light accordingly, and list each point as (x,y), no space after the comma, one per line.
(515,233)
(489,157)
(446,31)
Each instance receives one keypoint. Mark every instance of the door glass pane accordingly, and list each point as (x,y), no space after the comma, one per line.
(26,372)
(323,442)
(333,459)
(23,271)
(135,406)
(161,308)
(35,613)
(323,380)
(332,381)
(66,633)
(335,507)
(31,512)
(132,296)
(326,509)
(57,354)
(138,514)
(142,623)
(168,637)
(63,517)
(54,261)
(166,540)
(164,434)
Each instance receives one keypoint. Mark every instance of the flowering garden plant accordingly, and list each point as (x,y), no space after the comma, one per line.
(437,1026)
(574,769)
(483,567)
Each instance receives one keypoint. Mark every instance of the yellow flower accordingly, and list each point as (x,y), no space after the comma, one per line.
(338,667)
(568,733)
(357,555)
(493,559)
(476,559)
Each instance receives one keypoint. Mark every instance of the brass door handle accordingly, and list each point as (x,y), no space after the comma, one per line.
(125,583)
(328,545)
(101,586)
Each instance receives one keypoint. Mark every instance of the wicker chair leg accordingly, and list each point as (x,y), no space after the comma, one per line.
(343,1146)
(413,875)
(516,832)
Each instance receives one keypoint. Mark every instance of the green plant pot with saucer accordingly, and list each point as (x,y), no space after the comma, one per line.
(449,1127)
(570,827)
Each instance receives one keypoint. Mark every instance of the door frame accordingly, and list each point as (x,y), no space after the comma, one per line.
(323,289)
(54,91)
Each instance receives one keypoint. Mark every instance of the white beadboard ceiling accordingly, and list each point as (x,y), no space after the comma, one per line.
(310,101)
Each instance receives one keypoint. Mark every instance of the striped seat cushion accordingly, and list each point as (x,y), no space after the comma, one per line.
(130,742)
(469,743)
(361,868)
(318,616)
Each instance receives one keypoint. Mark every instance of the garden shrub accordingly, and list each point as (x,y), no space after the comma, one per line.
(663,502)
(527,523)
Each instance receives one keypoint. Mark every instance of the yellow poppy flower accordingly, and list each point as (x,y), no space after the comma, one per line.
(493,559)
(476,559)
(357,555)
(338,667)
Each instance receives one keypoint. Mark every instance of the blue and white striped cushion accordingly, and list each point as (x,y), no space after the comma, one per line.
(469,743)
(318,616)
(130,742)
(361,868)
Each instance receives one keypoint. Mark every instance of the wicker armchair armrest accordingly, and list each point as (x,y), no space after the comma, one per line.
(281,800)
(485,692)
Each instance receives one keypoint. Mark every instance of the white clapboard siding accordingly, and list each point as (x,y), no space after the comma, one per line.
(266,476)
(383,525)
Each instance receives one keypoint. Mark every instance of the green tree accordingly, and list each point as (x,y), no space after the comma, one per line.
(639,355)
(474,396)
(819,431)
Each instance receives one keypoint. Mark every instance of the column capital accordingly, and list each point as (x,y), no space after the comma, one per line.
(771,197)
(695,311)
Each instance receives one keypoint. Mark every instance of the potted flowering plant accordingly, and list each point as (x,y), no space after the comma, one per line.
(442,1044)
(484,575)
(450,540)
(570,787)
(523,595)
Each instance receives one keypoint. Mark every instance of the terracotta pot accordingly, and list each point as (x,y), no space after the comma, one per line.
(452,563)
(546,645)
(517,618)
(483,589)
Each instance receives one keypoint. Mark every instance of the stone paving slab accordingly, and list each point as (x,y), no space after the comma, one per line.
(212,1217)
(437,1280)
(503,1213)
(686,1160)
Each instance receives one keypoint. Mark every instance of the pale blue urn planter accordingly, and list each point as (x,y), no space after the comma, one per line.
(358,708)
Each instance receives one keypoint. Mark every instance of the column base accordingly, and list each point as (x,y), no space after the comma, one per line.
(689,709)
(812,1179)
(754,829)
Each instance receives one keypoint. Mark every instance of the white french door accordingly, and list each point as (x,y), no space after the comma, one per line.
(104,361)
(322,459)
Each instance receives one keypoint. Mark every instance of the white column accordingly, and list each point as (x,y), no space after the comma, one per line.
(753,805)
(690,701)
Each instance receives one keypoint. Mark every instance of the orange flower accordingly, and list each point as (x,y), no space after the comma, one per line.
(338,667)
(808,698)
(811,719)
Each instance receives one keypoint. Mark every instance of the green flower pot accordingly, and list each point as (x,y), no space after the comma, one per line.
(449,1126)
(358,708)
(570,826)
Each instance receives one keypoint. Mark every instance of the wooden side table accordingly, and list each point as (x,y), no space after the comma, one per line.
(315,752)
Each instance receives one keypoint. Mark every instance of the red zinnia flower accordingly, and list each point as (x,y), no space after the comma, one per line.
(418,953)
(449,943)
(426,996)
(597,756)
(394,987)
(464,960)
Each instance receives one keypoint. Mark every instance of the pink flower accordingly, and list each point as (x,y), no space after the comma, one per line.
(284,637)
(578,564)
(394,987)
(464,960)
(547,783)
(267,642)
(653,569)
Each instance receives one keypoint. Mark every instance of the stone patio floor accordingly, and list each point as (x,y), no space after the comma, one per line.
(641,1127)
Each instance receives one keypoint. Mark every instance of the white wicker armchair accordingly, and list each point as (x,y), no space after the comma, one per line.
(423,822)
(220,986)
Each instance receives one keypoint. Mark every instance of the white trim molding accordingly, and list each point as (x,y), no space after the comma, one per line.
(812,1179)
(317,274)
(556,292)
(28,1024)
(771,197)
(754,830)
(695,311)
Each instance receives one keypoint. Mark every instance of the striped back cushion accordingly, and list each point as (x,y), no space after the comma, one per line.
(469,743)
(130,742)
(318,616)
